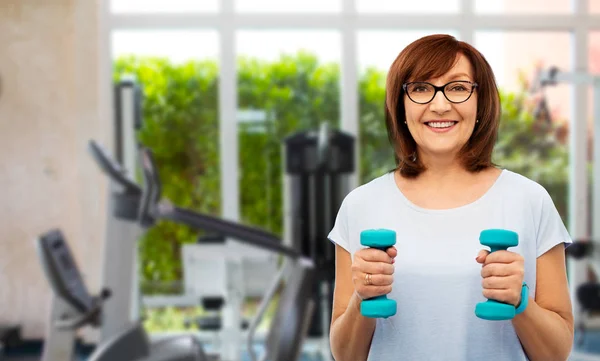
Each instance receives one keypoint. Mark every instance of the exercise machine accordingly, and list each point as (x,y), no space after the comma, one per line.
(123,231)
(221,290)
(318,166)
(295,306)
(584,253)
(73,307)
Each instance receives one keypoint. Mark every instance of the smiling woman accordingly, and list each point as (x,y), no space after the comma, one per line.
(444,109)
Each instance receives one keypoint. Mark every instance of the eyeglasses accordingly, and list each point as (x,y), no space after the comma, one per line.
(458,91)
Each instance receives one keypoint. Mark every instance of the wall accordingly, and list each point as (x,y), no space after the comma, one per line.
(48,110)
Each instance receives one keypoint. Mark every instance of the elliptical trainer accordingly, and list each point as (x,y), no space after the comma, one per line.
(295,307)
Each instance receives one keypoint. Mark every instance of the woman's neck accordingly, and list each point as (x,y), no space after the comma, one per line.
(448,168)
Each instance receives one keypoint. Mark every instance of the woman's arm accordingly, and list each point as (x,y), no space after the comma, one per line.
(545,328)
(351,333)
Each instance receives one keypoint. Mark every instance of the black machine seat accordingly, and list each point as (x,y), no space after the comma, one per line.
(64,276)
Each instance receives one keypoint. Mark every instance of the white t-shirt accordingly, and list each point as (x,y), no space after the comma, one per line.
(437,282)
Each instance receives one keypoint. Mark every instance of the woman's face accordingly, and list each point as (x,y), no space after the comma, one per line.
(441,128)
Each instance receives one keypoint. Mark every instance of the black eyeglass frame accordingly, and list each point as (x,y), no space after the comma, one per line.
(438,89)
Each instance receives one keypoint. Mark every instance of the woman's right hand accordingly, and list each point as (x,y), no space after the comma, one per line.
(379,265)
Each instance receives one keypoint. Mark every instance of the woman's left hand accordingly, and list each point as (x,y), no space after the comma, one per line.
(503,273)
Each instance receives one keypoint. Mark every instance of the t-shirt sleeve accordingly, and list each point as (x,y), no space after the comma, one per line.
(551,229)
(339,234)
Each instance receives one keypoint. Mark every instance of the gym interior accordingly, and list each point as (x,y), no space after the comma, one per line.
(171,169)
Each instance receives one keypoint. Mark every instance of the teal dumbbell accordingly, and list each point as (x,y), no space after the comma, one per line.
(380,306)
(497,239)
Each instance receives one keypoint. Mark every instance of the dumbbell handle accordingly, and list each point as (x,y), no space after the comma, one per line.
(384,249)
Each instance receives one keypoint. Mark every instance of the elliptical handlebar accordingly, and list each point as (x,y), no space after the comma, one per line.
(246,234)
(152,189)
(111,168)
(151,209)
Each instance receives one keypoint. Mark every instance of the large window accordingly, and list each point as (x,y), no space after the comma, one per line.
(257,71)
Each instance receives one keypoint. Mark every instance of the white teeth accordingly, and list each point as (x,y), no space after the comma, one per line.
(440,124)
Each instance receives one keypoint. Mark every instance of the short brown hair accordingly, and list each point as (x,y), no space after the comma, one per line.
(430,57)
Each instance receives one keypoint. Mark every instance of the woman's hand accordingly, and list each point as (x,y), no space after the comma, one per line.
(372,272)
(502,273)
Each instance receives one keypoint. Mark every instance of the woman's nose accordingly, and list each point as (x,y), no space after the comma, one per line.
(439,104)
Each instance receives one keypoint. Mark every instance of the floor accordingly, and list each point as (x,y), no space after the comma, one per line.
(590,345)
(32,353)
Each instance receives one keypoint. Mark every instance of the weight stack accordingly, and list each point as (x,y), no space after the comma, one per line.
(318,165)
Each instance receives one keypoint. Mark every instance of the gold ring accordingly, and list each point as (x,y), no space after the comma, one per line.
(368,279)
